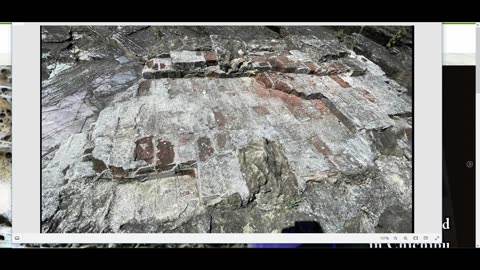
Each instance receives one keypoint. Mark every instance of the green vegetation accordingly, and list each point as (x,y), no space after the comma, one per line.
(397,37)
(292,202)
(340,34)
(158,34)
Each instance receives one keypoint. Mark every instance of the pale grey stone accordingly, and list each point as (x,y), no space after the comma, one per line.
(187,60)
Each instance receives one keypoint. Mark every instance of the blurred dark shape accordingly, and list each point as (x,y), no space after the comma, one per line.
(304,227)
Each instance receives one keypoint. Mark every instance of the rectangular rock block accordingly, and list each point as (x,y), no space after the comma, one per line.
(165,154)
(188,60)
(158,68)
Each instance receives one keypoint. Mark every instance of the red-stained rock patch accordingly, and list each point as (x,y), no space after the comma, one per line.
(98,165)
(321,146)
(149,63)
(165,154)
(293,103)
(282,85)
(367,95)
(320,105)
(264,79)
(118,171)
(340,81)
(219,119)
(260,90)
(144,150)
(277,64)
(312,67)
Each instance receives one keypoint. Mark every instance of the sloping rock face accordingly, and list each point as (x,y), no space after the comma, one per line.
(5,155)
(390,47)
(220,129)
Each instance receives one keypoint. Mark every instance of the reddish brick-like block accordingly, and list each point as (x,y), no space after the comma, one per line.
(295,101)
(321,146)
(340,81)
(165,154)
(205,148)
(219,119)
(294,104)
(260,90)
(367,95)
(118,171)
(320,105)
(289,65)
(279,94)
(144,150)
(149,63)
(265,79)
(282,85)
(277,64)
(98,165)
(211,58)
(311,66)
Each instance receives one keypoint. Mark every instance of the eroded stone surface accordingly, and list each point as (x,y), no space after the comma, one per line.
(231,130)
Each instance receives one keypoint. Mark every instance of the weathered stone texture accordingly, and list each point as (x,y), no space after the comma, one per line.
(229,130)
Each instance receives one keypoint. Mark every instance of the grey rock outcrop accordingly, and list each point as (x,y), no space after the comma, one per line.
(390,47)
(220,129)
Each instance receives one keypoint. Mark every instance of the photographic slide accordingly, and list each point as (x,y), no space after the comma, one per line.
(227,129)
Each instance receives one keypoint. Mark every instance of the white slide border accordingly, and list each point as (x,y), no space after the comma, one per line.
(427,151)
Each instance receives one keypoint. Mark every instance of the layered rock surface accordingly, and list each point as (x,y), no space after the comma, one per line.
(220,129)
